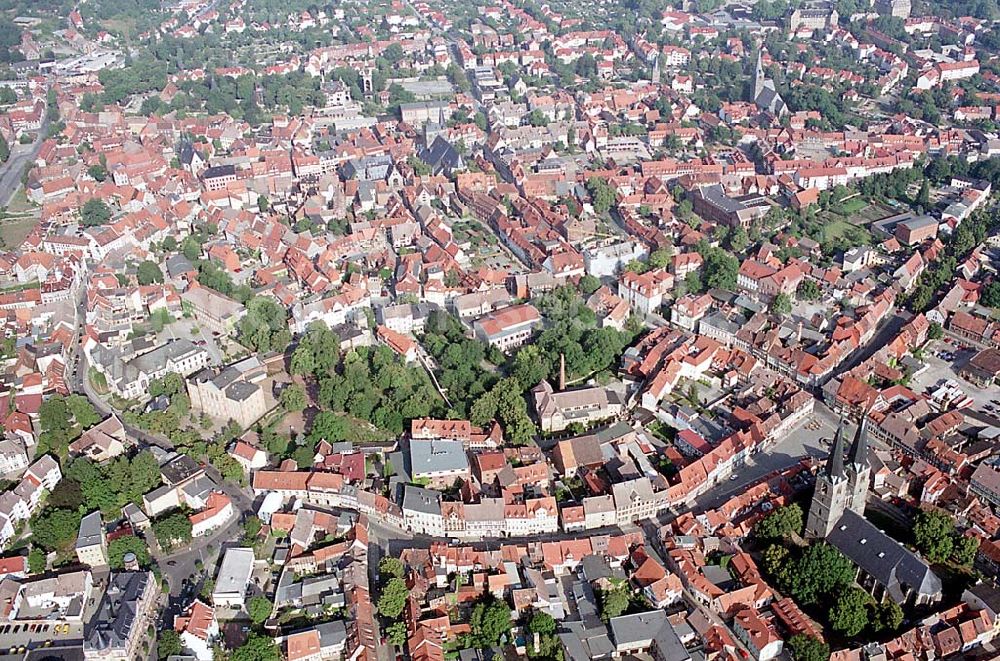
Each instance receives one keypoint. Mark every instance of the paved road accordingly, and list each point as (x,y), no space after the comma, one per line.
(82,384)
(13,169)
(181,564)
(886,332)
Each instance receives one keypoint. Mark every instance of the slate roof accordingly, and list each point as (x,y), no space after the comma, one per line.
(886,560)
(442,156)
(117,612)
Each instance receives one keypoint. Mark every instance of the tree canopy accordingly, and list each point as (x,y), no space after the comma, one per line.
(490,622)
(95,212)
(392,601)
(172,531)
(780,523)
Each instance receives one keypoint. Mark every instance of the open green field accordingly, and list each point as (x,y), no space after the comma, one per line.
(14,230)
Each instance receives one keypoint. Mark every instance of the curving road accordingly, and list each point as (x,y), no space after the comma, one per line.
(20,156)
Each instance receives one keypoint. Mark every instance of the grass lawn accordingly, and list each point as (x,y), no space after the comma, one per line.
(19,203)
(853,206)
(14,230)
(836,226)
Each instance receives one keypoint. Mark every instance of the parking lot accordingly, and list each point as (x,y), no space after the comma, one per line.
(33,635)
(811,438)
(941,369)
(189,329)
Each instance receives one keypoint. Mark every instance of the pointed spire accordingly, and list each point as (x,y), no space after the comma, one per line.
(859,447)
(758,75)
(835,464)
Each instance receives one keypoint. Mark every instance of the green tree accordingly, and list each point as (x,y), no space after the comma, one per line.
(95,212)
(259,608)
(807,648)
(395,634)
(601,194)
(775,560)
(251,529)
(54,414)
(293,397)
(4,147)
(490,622)
(330,427)
(660,258)
(738,240)
(128,544)
(530,366)
(781,304)
(692,283)
(542,623)
(537,118)
(849,616)
(302,360)
(924,196)
(392,601)
(190,248)
(98,172)
(36,561)
(589,284)
(55,529)
(964,549)
(82,411)
(935,331)
(168,643)
(782,522)
(257,648)
(932,534)
(888,616)
(263,204)
(614,602)
(264,328)
(149,273)
(390,567)
(172,531)
(304,456)
(820,571)
(720,269)
(808,290)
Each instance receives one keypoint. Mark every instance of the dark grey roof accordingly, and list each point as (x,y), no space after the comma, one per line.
(91,527)
(835,464)
(859,447)
(422,500)
(650,625)
(241,391)
(219,171)
(179,468)
(437,455)
(178,264)
(441,156)
(890,563)
(717,197)
(111,624)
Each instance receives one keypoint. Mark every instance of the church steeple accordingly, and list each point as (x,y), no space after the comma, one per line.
(858,456)
(758,75)
(859,470)
(834,492)
(835,463)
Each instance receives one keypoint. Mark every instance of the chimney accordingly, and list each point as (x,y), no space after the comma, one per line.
(562,371)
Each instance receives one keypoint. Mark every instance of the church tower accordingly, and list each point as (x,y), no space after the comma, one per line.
(859,469)
(834,491)
(656,69)
(758,76)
